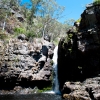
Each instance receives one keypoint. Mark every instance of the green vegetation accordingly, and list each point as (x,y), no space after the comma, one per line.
(3,35)
(45,89)
(39,18)
(19,30)
(68,38)
(96,2)
(78,20)
(30,34)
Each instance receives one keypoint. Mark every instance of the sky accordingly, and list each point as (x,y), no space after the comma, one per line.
(73,8)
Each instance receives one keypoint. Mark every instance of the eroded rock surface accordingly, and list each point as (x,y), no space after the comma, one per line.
(79,58)
(24,61)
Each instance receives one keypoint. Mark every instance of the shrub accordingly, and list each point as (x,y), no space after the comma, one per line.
(3,35)
(45,89)
(19,30)
(96,2)
(30,34)
(78,20)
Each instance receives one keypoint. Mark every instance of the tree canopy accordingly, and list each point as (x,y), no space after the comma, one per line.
(40,18)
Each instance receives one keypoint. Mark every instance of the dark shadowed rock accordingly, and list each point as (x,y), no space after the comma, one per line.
(47,38)
(79,58)
(22,37)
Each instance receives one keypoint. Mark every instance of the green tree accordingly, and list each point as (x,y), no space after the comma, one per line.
(29,11)
(6,6)
(33,10)
(41,15)
(49,12)
(68,24)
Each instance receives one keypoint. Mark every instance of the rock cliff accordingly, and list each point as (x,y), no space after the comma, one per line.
(24,62)
(79,58)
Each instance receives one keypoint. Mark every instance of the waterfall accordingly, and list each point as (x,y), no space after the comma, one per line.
(55,74)
(55,71)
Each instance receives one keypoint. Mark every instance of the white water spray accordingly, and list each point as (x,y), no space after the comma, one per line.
(55,69)
(55,74)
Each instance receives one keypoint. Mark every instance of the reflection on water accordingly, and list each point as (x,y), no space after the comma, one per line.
(41,96)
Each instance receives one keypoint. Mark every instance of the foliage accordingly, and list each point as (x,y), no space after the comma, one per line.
(96,2)
(2,14)
(30,34)
(70,22)
(68,38)
(56,41)
(78,20)
(45,89)
(3,35)
(40,18)
(34,8)
(10,4)
(49,12)
(19,30)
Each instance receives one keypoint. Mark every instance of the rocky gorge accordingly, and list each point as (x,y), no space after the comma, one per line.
(79,58)
(25,65)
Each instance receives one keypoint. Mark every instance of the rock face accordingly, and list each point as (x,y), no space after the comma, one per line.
(22,61)
(79,58)
(86,90)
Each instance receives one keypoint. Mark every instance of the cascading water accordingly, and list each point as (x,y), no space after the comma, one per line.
(55,74)
(55,70)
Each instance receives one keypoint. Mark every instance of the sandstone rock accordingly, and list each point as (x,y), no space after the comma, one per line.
(73,97)
(22,60)
(42,59)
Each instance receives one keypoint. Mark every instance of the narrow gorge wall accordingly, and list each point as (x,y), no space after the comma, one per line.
(79,52)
